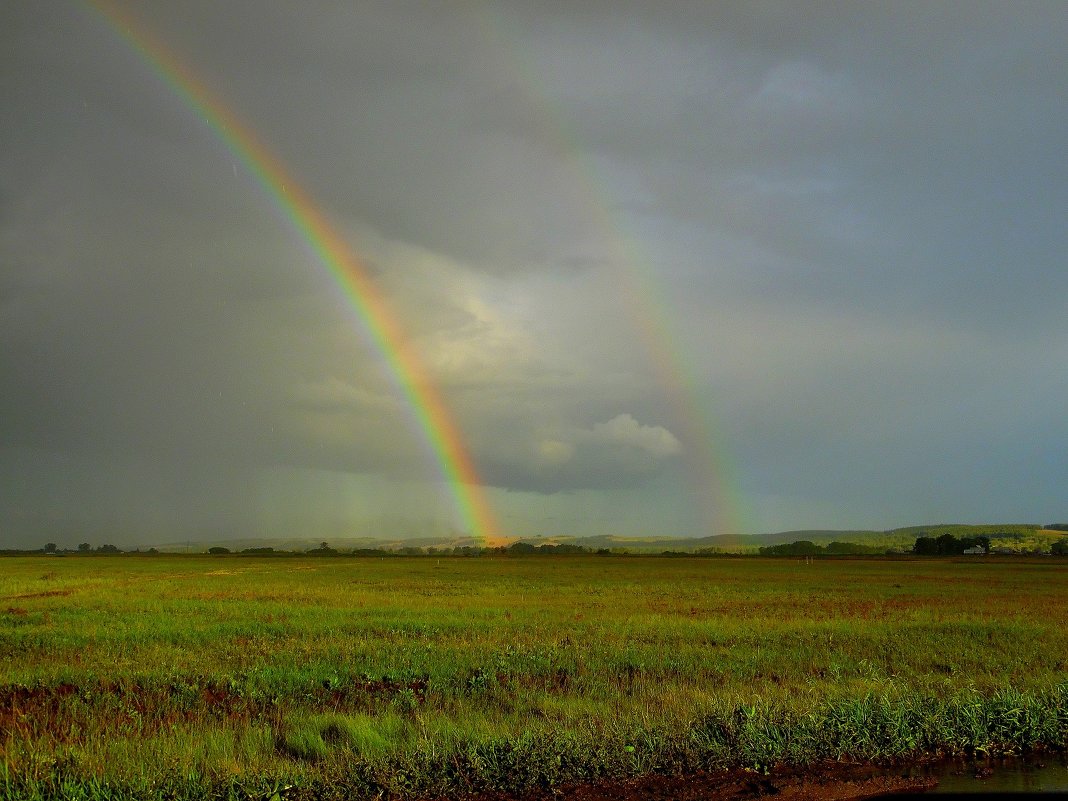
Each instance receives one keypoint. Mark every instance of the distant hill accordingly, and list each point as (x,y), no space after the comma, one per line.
(737,543)
(306,544)
(1016,536)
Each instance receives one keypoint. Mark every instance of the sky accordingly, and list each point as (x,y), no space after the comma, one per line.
(673,269)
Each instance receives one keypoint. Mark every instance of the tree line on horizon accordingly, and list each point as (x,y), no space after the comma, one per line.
(945,544)
(948,545)
(809,548)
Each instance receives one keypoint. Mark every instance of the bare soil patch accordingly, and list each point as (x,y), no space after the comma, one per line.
(45,594)
(823,782)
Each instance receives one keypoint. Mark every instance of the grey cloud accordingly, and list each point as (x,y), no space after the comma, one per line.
(842,221)
(617,453)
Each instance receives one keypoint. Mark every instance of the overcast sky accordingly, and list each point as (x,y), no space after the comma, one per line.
(677,269)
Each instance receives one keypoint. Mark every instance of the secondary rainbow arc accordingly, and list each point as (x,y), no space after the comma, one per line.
(380,323)
(719,507)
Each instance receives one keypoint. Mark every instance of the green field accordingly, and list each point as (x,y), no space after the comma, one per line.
(288,677)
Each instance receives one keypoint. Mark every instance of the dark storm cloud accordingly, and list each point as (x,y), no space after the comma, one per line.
(847,219)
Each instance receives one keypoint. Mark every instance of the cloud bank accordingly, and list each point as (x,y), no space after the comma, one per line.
(837,228)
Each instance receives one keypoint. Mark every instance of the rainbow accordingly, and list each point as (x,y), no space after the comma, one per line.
(352,277)
(710,470)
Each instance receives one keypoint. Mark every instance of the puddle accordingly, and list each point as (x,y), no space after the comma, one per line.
(1046,774)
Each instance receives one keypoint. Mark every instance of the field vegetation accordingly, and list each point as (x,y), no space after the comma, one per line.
(238,677)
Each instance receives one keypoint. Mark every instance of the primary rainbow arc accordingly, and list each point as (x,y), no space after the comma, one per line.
(378,319)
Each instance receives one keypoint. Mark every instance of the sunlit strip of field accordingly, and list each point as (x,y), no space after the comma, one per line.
(200,676)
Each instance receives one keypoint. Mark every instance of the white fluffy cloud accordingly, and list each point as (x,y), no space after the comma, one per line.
(623,429)
(620,452)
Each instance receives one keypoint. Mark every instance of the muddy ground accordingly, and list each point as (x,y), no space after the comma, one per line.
(828,782)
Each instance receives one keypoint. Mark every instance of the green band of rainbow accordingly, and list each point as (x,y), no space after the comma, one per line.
(380,322)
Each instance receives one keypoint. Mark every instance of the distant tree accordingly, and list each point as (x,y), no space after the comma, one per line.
(799,548)
(1060,547)
(84,547)
(522,547)
(218,549)
(50,547)
(925,546)
(107,549)
(152,550)
(324,546)
(948,545)
(568,547)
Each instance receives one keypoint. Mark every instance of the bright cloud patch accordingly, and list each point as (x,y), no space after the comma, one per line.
(551,452)
(624,429)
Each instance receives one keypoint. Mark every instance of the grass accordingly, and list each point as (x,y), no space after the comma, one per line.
(190,677)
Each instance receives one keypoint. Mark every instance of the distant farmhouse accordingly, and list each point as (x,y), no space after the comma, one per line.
(975,549)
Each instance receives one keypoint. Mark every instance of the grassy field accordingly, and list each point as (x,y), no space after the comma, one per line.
(285,677)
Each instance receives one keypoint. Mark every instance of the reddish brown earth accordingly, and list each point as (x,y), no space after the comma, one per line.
(827,782)
(156,707)
(47,594)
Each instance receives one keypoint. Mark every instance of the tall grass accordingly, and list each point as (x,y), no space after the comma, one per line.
(236,678)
